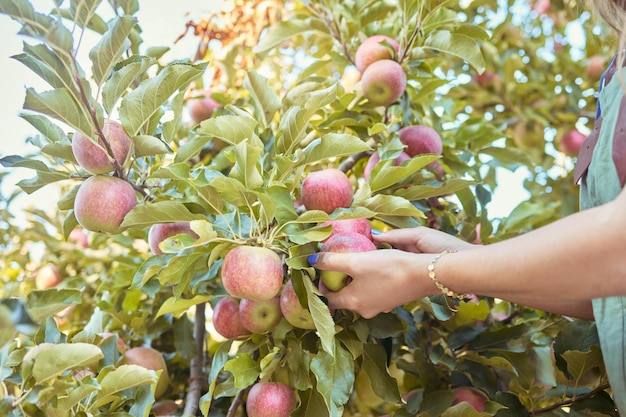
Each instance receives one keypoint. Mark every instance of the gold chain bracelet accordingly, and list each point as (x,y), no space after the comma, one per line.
(431,273)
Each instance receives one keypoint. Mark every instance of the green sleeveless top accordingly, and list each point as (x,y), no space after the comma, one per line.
(601,184)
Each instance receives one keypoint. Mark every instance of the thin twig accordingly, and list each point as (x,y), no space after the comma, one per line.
(234,406)
(570,401)
(196,374)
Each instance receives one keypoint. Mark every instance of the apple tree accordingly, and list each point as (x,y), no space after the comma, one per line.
(172,276)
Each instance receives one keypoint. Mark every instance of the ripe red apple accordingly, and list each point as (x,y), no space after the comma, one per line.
(342,243)
(79,237)
(420,139)
(48,276)
(361,226)
(374,49)
(260,316)
(226,319)
(541,6)
(595,67)
(488,79)
(471,395)
(150,359)
(571,142)
(93,157)
(374,159)
(202,108)
(326,190)
(293,311)
(270,399)
(159,232)
(252,272)
(102,202)
(383,82)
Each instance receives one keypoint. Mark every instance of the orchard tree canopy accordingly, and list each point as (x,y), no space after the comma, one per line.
(172,278)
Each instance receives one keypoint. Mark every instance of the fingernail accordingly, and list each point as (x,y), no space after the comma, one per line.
(376,232)
(312,259)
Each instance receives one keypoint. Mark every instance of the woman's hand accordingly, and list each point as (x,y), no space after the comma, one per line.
(422,240)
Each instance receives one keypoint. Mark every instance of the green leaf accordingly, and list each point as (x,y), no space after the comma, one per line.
(333,145)
(391,205)
(122,378)
(285,30)
(53,360)
(246,168)
(168,211)
(263,97)
(124,75)
(335,377)
(22,11)
(59,104)
(44,176)
(178,306)
(46,303)
(245,370)
(83,11)
(107,52)
(321,317)
(138,107)
(383,384)
(76,395)
(220,357)
(47,65)
(146,145)
(421,192)
(387,174)
(458,45)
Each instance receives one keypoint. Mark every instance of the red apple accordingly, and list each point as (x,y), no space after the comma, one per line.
(571,142)
(541,6)
(342,243)
(260,316)
(164,408)
(361,226)
(326,190)
(252,272)
(270,399)
(48,276)
(420,139)
(102,202)
(374,49)
(471,395)
(595,67)
(159,232)
(293,311)
(383,82)
(488,79)
(79,237)
(202,108)
(150,359)
(226,319)
(374,159)
(93,157)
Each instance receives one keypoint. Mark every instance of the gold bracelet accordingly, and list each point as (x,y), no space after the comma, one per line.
(431,273)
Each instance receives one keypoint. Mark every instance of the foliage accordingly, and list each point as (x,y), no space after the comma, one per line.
(289,108)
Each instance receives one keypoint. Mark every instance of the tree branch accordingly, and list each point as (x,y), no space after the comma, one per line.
(196,374)
(569,401)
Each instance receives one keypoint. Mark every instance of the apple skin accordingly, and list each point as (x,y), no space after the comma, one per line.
(79,237)
(541,6)
(150,359)
(102,202)
(383,82)
(93,158)
(202,108)
(374,159)
(270,399)
(374,49)
(571,142)
(226,319)
(159,232)
(252,272)
(48,276)
(326,190)
(293,311)
(260,316)
(343,243)
(420,139)
(361,226)
(471,395)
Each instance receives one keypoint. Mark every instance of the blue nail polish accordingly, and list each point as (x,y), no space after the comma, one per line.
(376,232)
(312,259)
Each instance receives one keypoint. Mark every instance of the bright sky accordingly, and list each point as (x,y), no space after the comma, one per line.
(162,21)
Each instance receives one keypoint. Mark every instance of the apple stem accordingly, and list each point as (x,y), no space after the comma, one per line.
(196,374)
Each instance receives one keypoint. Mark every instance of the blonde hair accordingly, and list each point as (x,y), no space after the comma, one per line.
(613,12)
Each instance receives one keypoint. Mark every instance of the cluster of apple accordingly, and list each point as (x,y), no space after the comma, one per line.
(383,79)
(103,200)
